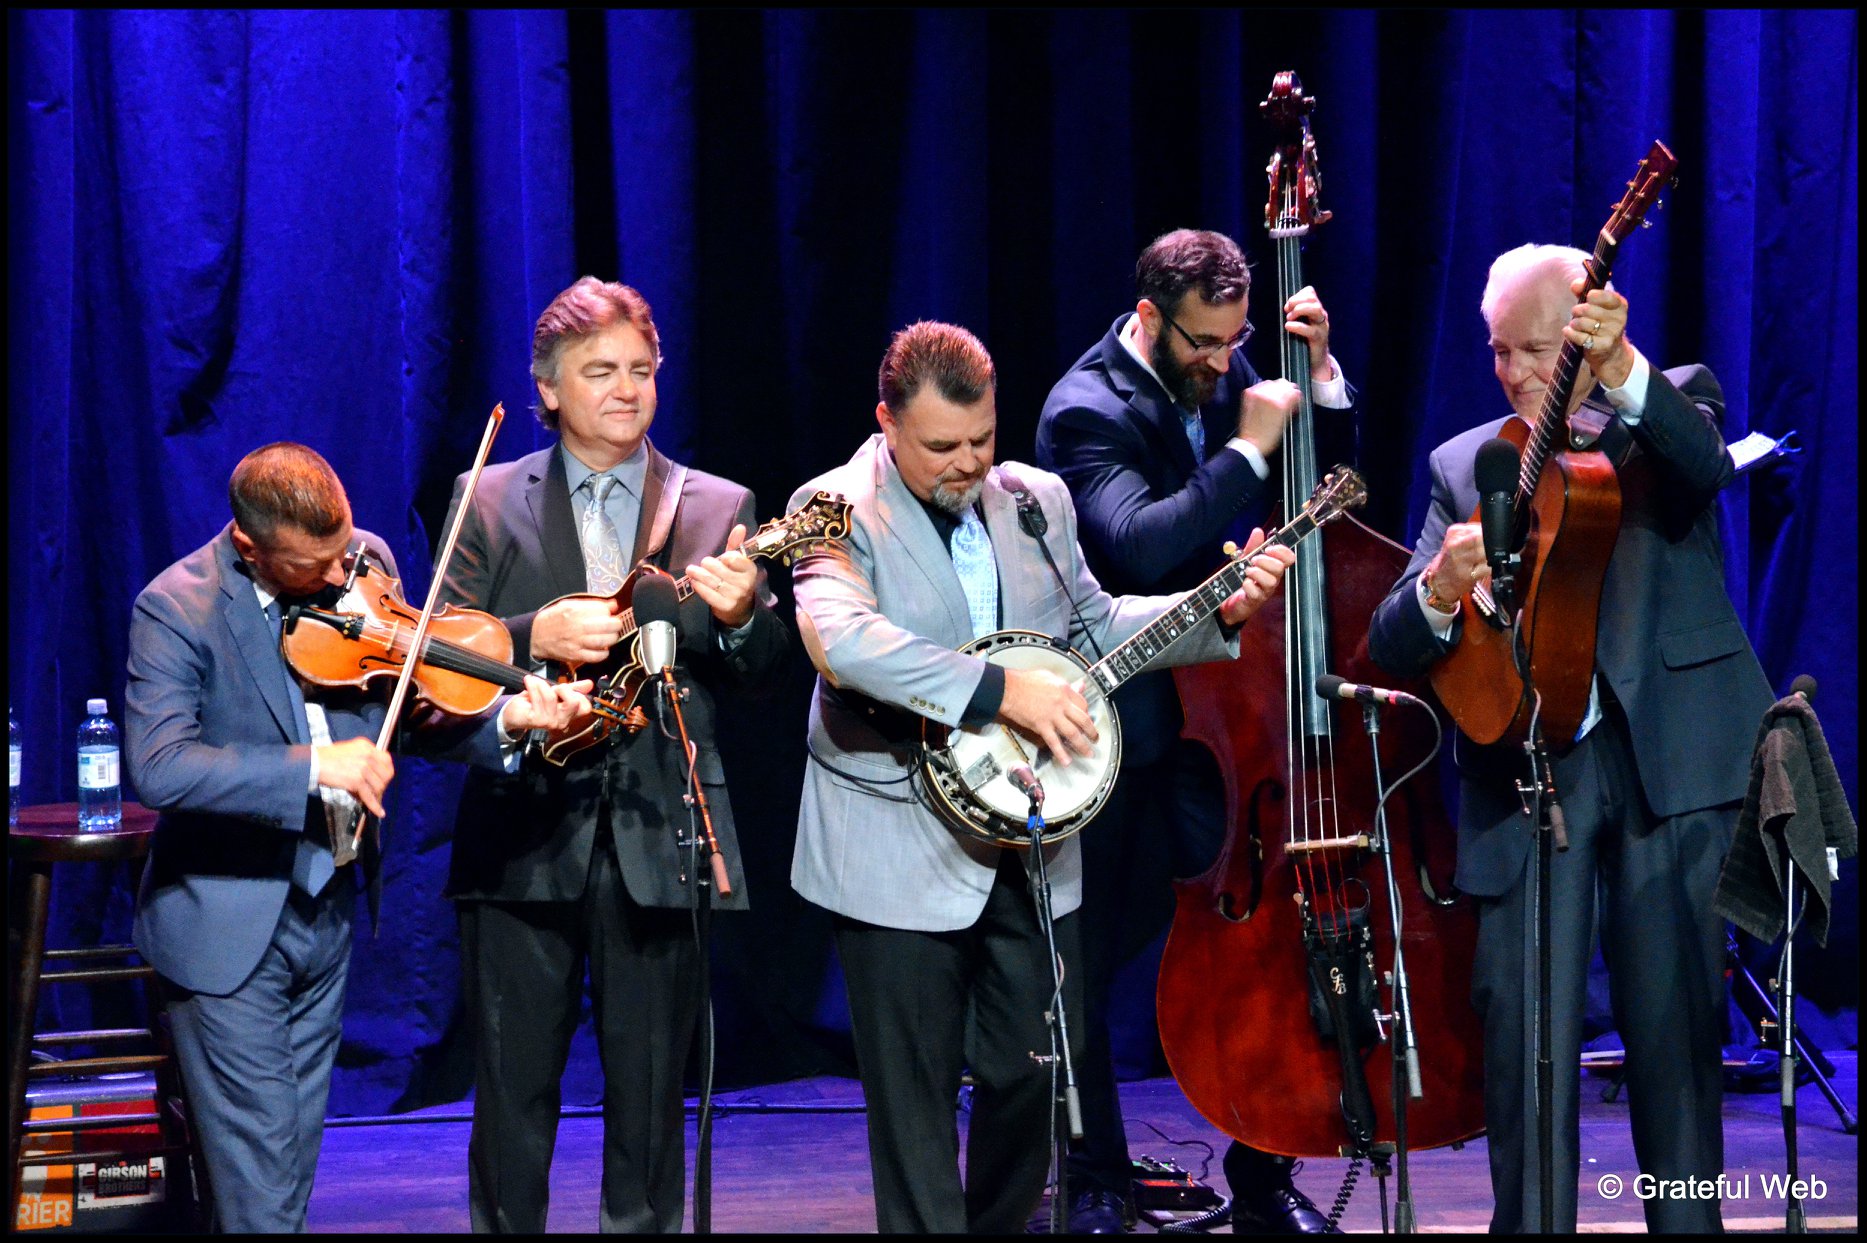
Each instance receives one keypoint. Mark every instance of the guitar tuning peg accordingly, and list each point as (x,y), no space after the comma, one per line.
(1229,548)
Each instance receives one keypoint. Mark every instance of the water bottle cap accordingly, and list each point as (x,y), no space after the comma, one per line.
(95,707)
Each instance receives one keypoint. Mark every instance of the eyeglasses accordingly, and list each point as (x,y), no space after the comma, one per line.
(1208,349)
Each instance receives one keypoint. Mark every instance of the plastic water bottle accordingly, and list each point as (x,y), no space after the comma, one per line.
(100,800)
(12,748)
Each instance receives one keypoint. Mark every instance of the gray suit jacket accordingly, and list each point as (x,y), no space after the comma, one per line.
(889,612)
(217,745)
(1668,641)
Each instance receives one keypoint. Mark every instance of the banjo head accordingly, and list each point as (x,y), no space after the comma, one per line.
(967,770)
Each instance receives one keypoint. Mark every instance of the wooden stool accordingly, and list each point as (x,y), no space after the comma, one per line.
(49,835)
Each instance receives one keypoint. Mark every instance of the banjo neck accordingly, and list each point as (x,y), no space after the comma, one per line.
(1141,649)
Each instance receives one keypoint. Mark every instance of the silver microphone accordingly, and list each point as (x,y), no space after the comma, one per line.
(1027,783)
(656,606)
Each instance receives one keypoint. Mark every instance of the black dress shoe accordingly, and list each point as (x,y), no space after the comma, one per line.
(1098,1211)
(1265,1200)
(1281,1210)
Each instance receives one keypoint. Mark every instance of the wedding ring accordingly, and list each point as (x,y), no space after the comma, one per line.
(1588,343)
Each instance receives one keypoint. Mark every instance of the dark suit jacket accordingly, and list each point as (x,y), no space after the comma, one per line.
(1668,642)
(216,744)
(530,836)
(1152,519)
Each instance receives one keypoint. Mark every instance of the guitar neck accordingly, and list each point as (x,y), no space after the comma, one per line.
(1195,607)
(1555,412)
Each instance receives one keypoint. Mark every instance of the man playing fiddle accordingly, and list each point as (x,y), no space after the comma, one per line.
(242,909)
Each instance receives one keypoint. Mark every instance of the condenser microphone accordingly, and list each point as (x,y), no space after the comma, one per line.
(1495,473)
(657,607)
(1334,686)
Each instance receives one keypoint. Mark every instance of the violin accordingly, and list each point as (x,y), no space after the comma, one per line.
(465,659)
(367,633)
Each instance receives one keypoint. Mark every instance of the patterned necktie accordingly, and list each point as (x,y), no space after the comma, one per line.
(1196,433)
(312,864)
(978,571)
(602,548)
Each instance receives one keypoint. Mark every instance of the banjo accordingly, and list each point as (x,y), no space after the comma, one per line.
(969,771)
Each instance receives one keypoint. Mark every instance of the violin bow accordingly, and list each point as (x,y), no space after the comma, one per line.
(344,843)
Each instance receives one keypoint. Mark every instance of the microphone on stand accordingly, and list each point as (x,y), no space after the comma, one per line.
(1334,686)
(657,605)
(1495,473)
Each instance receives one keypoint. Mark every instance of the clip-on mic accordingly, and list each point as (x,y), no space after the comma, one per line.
(657,609)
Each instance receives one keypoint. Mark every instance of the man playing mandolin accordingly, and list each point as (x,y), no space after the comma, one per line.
(932,925)
(562,870)
(1650,784)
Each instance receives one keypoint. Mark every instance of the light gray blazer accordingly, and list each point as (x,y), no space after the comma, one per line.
(887,613)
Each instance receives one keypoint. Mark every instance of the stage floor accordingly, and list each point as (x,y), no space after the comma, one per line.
(793,1157)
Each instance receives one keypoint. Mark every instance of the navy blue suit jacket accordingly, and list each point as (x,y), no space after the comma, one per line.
(1152,519)
(1668,641)
(218,746)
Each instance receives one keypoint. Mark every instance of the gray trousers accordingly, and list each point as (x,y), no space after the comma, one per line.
(257,1064)
(1664,948)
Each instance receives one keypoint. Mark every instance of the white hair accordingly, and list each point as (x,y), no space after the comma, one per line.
(1513,265)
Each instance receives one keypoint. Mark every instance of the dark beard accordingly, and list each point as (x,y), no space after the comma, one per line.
(1191,389)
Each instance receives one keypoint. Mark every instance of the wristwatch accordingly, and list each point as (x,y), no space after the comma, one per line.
(1438,603)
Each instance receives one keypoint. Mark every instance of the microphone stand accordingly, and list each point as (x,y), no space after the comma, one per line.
(1054,1019)
(1794,1219)
(705,881)
(1539,803)
(1406,1056)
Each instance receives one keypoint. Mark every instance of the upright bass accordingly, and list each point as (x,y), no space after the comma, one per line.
(1269,991)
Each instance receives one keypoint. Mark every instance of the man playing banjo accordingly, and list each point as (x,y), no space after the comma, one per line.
(930,922)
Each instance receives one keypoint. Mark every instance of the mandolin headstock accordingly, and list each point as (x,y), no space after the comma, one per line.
(824,517)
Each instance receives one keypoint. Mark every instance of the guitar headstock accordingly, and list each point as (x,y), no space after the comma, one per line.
(1295,180)
(825,516)
(1655,174)
(1341,490)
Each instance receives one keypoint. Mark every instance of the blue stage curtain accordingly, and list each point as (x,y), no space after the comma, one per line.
(338,227)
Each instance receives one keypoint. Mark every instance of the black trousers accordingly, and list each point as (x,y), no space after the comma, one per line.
(524,966)
(1654,878)
(924,1006)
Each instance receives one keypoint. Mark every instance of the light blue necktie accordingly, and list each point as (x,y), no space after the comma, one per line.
(602,548)
(978,571)
(1196,433)
(312,865)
